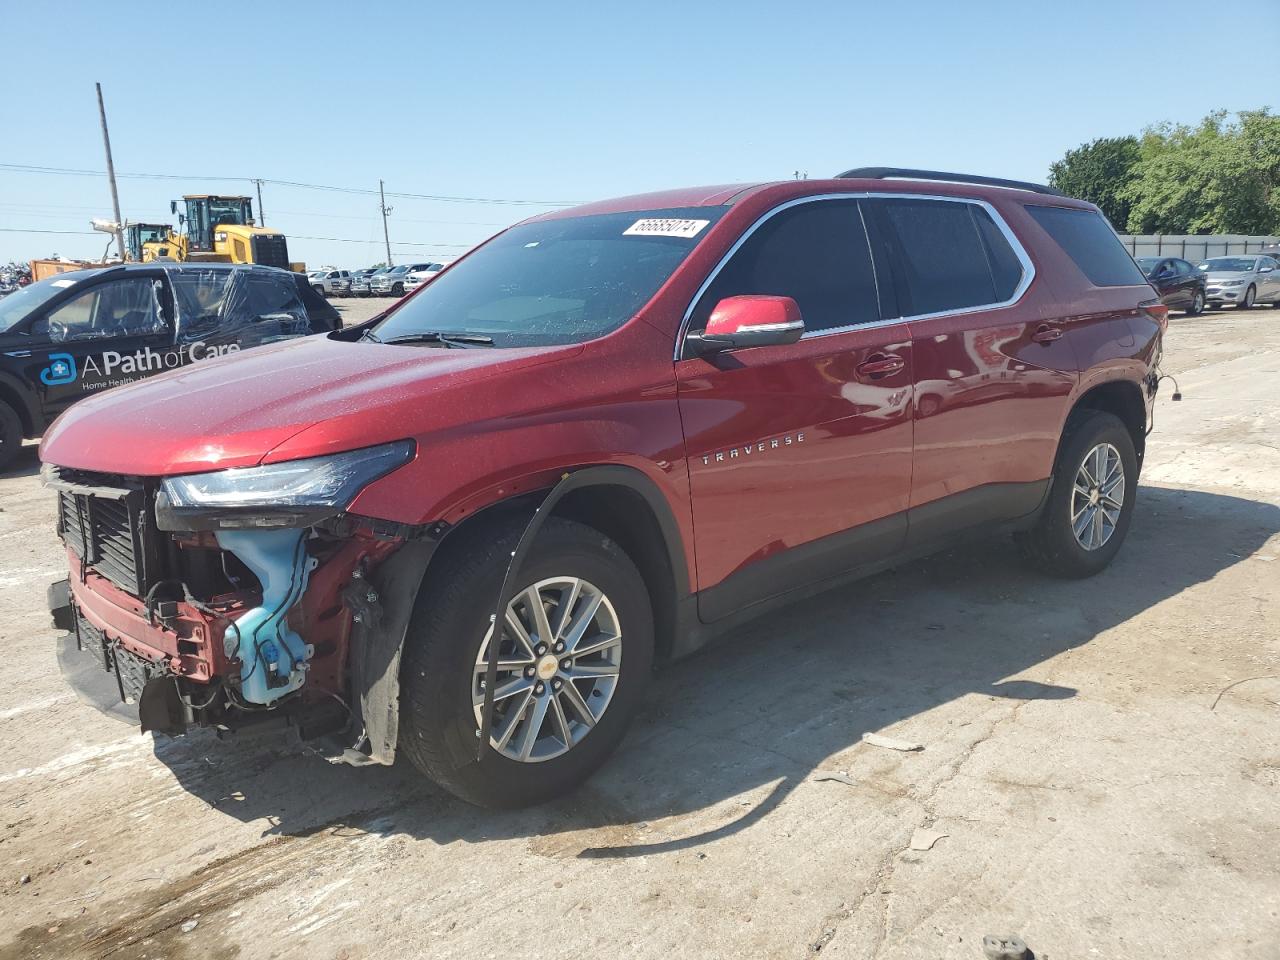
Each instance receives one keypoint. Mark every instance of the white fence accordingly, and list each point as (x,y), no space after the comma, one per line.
(1194,248)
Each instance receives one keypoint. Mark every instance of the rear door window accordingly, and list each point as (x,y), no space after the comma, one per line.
(951,255)
(1091,243)
(817,254)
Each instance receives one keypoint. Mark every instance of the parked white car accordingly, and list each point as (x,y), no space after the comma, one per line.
(416,278)
(332,283)
(1243,280)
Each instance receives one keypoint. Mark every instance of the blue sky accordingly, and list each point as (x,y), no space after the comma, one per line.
(568,102)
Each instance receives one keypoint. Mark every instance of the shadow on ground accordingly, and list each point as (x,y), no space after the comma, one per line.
(771,702)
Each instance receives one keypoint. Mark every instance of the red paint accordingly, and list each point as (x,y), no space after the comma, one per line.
(969,400)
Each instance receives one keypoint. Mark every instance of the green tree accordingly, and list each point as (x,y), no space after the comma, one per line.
(1220,176)
(1099,172)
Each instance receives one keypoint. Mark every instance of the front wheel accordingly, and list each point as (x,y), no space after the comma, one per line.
(10,435)
(1197,305)
(1247,302)
(574,658)
(398,290)
(1091,499)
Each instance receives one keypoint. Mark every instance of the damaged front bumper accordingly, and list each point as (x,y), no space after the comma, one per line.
(238,630)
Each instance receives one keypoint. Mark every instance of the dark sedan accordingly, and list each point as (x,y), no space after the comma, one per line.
(1180,285)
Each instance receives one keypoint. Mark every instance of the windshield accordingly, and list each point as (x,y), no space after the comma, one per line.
(24,301)
(228,210)
(555,281)
(1229,264)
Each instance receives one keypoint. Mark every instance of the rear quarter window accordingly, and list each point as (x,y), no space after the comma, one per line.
(1091,244)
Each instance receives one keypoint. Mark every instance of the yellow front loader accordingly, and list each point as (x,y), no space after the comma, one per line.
(221,229)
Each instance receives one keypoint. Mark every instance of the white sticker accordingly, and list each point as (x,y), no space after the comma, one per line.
(660,227)
(63,283)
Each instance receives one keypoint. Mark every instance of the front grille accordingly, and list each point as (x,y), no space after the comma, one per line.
(132,671)
(271,250)
(104,520)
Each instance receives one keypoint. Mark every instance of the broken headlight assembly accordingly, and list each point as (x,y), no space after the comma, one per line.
(294,493)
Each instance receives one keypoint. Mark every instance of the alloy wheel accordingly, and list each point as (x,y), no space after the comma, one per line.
(1097,497)
(559,660)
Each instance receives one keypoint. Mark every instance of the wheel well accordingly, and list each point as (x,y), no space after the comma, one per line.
(7,395)
(1122,399)
(625,517)
(618,511)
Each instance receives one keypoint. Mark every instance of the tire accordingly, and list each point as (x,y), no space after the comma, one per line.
(1247,302)
(397,290)
(1197,305)
(1052,545)
(450,626)
(10,435)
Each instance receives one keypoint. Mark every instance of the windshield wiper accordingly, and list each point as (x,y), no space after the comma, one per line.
(448,339)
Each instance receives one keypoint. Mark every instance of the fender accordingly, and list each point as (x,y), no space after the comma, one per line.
(381,632)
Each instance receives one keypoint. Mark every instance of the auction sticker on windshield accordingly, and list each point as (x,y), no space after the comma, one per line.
(664,227)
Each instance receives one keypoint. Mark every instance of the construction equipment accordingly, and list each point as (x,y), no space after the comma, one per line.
(221,229)
(144,242)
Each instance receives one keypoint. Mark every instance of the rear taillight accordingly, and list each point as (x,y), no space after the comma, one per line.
(1157,311)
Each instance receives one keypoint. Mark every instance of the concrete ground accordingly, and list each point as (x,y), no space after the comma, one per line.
(1100,757)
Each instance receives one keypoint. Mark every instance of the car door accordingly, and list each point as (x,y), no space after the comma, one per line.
(990,375)
(114,331)
(1165,280)
(1269,279)
(799,455)
(1188,282)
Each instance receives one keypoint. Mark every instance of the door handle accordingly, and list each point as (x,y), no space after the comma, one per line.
(881,365)
(1047,334)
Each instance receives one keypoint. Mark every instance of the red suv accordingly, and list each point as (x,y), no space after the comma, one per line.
(613,431)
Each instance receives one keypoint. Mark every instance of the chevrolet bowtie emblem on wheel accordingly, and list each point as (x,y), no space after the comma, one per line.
(752,449)
(61,369)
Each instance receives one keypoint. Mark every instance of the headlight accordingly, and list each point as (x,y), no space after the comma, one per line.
(293,493)
(1233,283)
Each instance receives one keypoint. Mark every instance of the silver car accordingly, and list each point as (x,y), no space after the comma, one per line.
(1242,281)
(360,281)
(391,283)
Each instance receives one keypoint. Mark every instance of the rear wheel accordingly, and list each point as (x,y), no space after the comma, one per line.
(10,435)
(1197,304)
(574,658)
(1090,500)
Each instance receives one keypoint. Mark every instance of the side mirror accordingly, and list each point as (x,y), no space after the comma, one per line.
(749,321)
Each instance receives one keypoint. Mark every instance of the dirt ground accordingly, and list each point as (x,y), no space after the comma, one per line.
(1101,758)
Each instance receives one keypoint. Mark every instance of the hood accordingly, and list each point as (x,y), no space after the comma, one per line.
(233,411)
(1217,276)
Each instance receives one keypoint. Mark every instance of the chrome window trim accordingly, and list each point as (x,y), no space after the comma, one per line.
(1028,268)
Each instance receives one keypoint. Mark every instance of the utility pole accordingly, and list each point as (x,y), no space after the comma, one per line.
(262,217)
(382,203)
(111,175)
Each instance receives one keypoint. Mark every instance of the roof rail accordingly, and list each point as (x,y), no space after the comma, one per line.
(906,173)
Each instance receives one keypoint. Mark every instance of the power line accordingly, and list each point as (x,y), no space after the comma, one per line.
(79,233)
(292,236)
(77,172)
